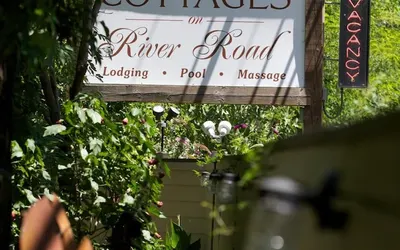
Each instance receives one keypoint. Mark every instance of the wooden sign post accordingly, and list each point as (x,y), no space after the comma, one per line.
(234,52)
(314,55)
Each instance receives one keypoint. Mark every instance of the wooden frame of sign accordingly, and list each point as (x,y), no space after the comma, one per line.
(309,97)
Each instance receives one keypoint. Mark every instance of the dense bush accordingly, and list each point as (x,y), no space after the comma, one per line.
(99,167)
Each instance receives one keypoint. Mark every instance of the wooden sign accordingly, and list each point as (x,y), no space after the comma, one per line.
(220,51)
(354,43)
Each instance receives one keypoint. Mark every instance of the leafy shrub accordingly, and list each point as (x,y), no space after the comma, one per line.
(178,239)
(100,168)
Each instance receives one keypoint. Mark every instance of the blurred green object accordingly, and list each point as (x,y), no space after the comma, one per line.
(178,239)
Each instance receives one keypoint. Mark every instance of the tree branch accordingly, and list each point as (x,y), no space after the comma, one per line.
(11,71)
(83,52)
(49,86)
(53,82)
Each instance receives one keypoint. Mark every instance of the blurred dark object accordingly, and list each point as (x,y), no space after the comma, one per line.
(356,210)
(126,229)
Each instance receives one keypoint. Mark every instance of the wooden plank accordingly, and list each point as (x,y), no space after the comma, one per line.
(182,173)
(192,225)
(182,178)
(201,94)
(184,209)
(314,42)
(183,193)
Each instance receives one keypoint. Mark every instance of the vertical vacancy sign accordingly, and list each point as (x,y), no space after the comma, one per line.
(354,43)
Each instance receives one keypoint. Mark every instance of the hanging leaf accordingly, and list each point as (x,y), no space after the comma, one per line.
(30,144)
(30,196)
(84,153)
(94,116)
(94,185)
(46,175)
(259,145)
(136,112)
(48,195)
(16,150)
(99,200)
(174,235)
(81,114)
(114,140)
(156,212)
(62,167)
(54,129)
(106,30)
(95,145)
(128,199)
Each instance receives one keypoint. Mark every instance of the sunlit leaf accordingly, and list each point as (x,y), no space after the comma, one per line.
(84,153)
(30,196)
(16,150)
(94,116)
(156,212)
(95,145)
(48,195)
(81,114)
(128,199)
(147,235)
(46,175)
(99,200)
(62,167)
(94,185)
(54,129)
(136,112)
(30,144)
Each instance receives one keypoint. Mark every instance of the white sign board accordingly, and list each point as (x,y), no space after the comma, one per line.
(227,43)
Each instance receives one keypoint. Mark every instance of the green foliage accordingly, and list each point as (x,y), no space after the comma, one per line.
(46,37)
(43,30)
(178,239)
(185,139)
(98,166)
(262,125)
